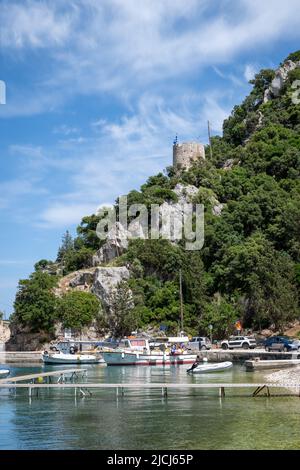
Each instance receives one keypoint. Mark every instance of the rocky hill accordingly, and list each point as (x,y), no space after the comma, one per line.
(249,266)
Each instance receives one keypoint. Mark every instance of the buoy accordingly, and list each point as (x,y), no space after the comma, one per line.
(40,380)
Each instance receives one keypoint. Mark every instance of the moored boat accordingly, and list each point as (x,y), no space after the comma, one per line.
(207,368)
(71,353)
(4,373)
(137,352)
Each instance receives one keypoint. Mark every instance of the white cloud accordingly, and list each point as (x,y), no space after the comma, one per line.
(63,214)
(115,46)
(64,129)
(121,155)
(33,24)
(14,262)
(250,72)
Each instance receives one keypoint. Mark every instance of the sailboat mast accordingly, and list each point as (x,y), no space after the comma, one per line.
(181,299)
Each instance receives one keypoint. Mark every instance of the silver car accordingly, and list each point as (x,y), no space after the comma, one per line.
(199,343)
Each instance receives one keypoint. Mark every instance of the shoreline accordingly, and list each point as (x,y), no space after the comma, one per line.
(286,377)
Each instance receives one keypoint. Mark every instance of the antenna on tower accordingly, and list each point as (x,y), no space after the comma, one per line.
(175,140)
(209,139)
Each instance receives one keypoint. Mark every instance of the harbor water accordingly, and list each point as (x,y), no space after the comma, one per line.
(143,419)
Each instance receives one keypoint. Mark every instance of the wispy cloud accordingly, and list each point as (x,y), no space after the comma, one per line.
(114,46)
(14,262)
(250,72)
(121,154)
(34,24)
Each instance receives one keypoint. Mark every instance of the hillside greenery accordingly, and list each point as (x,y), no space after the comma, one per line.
(249,267)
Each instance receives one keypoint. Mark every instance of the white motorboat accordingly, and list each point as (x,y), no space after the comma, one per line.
(137,351)
(70,352)
(205,368)
(4,373)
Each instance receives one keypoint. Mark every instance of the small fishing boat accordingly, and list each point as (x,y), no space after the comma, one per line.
(137,351)
(67,352)
(4,373)
(205,368)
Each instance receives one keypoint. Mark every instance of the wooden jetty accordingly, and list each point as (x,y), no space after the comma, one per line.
(61,376)
(85,389)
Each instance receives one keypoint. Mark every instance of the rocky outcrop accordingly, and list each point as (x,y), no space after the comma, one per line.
(22,339)
(4,331)
(281,75)
(83,278)
(115,245)
(228,164)
(185,193)
(106,280)
(217,208)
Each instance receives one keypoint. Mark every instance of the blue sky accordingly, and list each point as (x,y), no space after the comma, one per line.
(97,90)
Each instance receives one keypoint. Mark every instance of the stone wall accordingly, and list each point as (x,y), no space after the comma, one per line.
(186,153)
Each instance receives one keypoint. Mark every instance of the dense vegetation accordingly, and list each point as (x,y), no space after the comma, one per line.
(249,267)
(37,306)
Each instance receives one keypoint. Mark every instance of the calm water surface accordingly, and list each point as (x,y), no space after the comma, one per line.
(143,419)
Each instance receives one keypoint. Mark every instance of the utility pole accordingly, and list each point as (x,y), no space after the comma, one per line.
(209,139)
(181,299)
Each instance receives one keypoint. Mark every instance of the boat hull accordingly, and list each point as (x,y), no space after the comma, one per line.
(71,359)
(210,368)
(4,373)
(136,359)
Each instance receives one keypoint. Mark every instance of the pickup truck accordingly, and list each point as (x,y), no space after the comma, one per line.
(245,342)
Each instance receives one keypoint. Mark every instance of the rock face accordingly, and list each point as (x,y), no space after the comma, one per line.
(115,245)
(4,331)
(217,208)
(228,164)
(22,339)
(84,279)
(106,281)
(185,193)
(280,78)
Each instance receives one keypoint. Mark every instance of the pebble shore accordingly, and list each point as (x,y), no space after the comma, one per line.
(286,377)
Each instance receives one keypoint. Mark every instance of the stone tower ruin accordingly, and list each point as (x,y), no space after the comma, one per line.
(186,153)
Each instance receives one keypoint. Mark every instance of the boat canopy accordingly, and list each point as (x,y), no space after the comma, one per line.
(178,339)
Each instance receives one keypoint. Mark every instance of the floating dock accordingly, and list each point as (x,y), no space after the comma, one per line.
(257,364)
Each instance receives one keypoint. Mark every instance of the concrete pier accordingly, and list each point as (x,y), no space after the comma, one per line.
(241,355)
(252,365)
(213,355)
(7,357)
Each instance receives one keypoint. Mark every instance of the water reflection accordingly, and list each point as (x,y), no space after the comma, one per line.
(186,419)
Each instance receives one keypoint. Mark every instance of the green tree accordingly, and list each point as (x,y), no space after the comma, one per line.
(265,278)
(121,317)
(77,309)
(35,303)
(80,259)
(221,314)
(66,247)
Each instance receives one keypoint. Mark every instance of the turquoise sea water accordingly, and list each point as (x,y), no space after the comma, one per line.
(191,419)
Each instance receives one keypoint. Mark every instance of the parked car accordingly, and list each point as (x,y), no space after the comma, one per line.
(281,343)
(245,342)
(199,342)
